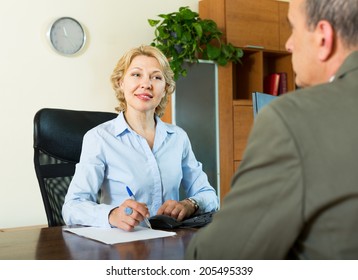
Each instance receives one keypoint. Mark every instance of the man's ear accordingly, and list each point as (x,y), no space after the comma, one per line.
(325,37)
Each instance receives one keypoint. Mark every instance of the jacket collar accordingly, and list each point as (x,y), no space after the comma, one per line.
(349,65)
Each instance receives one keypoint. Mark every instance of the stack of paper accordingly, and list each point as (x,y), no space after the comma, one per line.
(115,235)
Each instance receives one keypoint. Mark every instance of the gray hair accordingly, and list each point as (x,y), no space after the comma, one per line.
(341,14)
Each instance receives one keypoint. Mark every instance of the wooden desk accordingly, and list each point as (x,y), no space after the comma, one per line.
(55,244)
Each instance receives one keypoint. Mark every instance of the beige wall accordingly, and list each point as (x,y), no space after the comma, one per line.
(32,76)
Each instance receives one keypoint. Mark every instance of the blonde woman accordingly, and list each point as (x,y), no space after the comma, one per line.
(137,150)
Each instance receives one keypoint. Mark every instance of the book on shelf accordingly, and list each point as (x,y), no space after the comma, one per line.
(271,83)
(275,83)
(282,85)
(259,100)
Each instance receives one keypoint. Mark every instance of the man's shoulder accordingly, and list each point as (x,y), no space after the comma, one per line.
(310,96)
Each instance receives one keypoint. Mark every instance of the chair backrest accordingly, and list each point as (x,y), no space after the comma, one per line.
(58,135)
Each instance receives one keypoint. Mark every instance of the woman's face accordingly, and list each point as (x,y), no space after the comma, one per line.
(143,84)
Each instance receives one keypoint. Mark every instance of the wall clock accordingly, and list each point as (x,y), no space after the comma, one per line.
(67,36)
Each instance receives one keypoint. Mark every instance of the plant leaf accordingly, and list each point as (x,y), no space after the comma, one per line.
(213,52)
(187,14)
(153,22)
(198,29)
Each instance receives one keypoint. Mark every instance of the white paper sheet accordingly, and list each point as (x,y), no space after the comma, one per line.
(115,235)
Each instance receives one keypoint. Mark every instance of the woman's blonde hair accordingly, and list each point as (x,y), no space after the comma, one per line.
(122,67)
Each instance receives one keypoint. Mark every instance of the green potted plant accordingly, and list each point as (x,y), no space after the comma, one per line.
(184,36)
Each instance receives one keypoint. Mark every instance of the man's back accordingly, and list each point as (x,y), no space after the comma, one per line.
(322,121)
(296,193)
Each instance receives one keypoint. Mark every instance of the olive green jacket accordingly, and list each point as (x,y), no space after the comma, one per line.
(295,194)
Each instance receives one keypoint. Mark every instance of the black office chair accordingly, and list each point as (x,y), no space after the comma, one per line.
(58,135)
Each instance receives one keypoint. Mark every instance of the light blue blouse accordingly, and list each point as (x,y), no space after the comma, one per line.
(114,156)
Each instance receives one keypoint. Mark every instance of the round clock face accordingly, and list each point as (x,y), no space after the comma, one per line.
(67,36)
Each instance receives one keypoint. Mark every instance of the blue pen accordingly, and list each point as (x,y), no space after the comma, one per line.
(131,195)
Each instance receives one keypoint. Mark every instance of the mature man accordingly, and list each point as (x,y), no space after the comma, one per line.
(295,195)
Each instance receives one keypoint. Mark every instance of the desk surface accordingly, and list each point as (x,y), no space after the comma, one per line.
(56,244)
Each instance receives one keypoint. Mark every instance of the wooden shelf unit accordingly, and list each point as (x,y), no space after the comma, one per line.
(260,27)
(256,64)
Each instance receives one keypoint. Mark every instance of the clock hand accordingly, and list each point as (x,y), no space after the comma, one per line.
(64,31)
(69,39)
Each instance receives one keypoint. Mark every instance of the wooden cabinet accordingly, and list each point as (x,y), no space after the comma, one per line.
(260,27)
(244,22)
(243,119)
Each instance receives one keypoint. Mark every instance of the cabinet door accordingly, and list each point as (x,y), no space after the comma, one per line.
(285,29)
(254,23)
(243,120)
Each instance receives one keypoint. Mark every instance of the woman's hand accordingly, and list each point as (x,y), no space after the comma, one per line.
(128,215)
(177,209)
